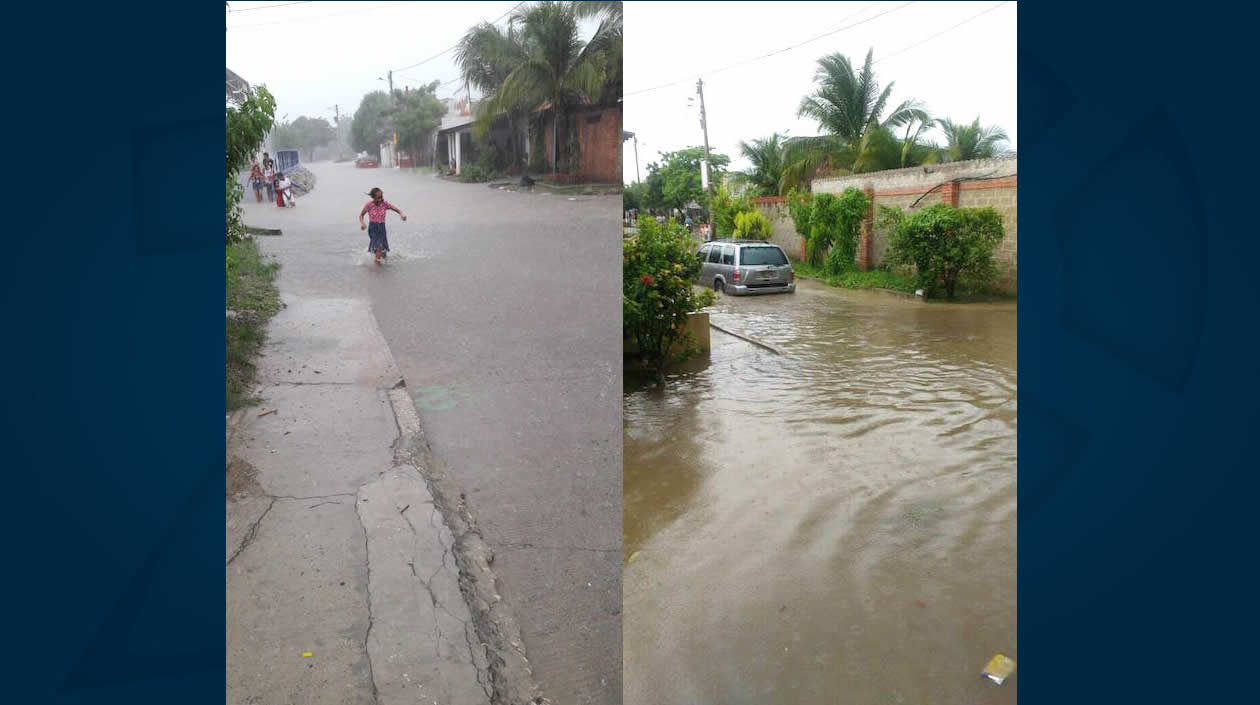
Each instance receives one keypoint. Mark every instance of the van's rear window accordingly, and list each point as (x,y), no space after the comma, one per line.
(759,256)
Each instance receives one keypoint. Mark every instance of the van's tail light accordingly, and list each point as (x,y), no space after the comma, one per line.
(735,276)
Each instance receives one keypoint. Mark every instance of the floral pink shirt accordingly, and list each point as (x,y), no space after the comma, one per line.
(376,213)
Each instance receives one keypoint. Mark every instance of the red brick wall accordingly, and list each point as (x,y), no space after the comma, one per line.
(599,142)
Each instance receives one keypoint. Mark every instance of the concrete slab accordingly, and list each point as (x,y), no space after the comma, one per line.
(423,645)
(326,340)
(300,586)
(323,439)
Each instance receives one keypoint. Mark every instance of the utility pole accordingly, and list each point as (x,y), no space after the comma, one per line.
(708,170)
(627,135)
(337,120)
(391,111)
(637,179)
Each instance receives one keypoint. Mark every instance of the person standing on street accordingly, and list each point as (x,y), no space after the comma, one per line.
(256,181)
(269,178)
(375,210)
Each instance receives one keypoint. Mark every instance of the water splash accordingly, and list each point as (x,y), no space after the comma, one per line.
(404,247)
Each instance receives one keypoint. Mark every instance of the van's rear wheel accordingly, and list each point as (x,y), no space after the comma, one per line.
(718,287)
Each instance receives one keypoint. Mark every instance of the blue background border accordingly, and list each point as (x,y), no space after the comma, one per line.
(1138,364)
(113,418)
(1137,337)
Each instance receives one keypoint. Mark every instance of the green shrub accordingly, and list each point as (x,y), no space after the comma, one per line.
(834,226)
(725,208)
(487,158)
(235,226)
(945,244)
(247,123)
(753,225)
(658,267)
(801,208)
(823,223)
(475,174)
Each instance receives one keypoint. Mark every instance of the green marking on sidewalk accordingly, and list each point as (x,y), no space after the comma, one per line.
(434,399)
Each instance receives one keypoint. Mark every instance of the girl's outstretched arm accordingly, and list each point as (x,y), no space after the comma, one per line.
(400,213)
(362,225)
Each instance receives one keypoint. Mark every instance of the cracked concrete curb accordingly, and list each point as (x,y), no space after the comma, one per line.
(455,672)
(511,677)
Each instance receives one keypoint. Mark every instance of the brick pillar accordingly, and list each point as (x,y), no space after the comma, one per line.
(949,193)
(864,262)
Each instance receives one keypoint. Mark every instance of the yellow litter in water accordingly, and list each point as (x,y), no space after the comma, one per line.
(307,654)
(999,668)
(633,557)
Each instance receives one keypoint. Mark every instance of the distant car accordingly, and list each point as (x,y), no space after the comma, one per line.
(741,267)
(366,163)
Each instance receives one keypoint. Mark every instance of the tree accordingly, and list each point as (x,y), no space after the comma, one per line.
(632,196)
(658,267)
(946,245)
(801,208)
(831,225)
(849,107)
(847,212)
(963,142)
(678,176)
(753,225)
(726,208)
(653,194)
(486,56)
(248,122)
(369,128)
(418,115)
(558,67)
(304,134)
(766,172)
(608,44)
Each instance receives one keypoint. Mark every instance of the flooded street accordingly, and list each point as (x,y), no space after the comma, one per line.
(833,524)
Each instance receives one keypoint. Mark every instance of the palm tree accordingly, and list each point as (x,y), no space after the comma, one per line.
(486,56)
(963,142)
(766,155)
(557,66)
(850,108)
(915,150)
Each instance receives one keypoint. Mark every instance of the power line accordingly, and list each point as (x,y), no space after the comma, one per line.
(268,7)
(943,31)
(780,51)
(456,44)
(298,20)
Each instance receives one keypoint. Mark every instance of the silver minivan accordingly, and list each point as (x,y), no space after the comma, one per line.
(741,267)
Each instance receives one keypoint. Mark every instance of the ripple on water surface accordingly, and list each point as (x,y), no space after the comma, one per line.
(836,519)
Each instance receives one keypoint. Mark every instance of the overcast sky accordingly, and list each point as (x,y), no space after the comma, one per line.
(315,55)
(965,72)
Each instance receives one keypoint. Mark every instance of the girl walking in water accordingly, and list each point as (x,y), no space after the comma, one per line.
(375,210)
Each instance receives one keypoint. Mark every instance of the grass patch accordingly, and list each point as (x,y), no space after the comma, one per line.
(967,292)
(874,279)
(252,294)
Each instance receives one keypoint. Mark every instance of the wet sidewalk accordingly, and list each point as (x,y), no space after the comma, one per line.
(342,583)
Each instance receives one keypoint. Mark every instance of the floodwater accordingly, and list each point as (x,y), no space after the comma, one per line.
(836,524)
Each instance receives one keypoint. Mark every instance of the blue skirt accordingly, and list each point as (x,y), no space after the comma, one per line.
(377,241)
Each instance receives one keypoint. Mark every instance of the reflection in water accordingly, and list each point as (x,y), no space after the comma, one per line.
(836,524)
